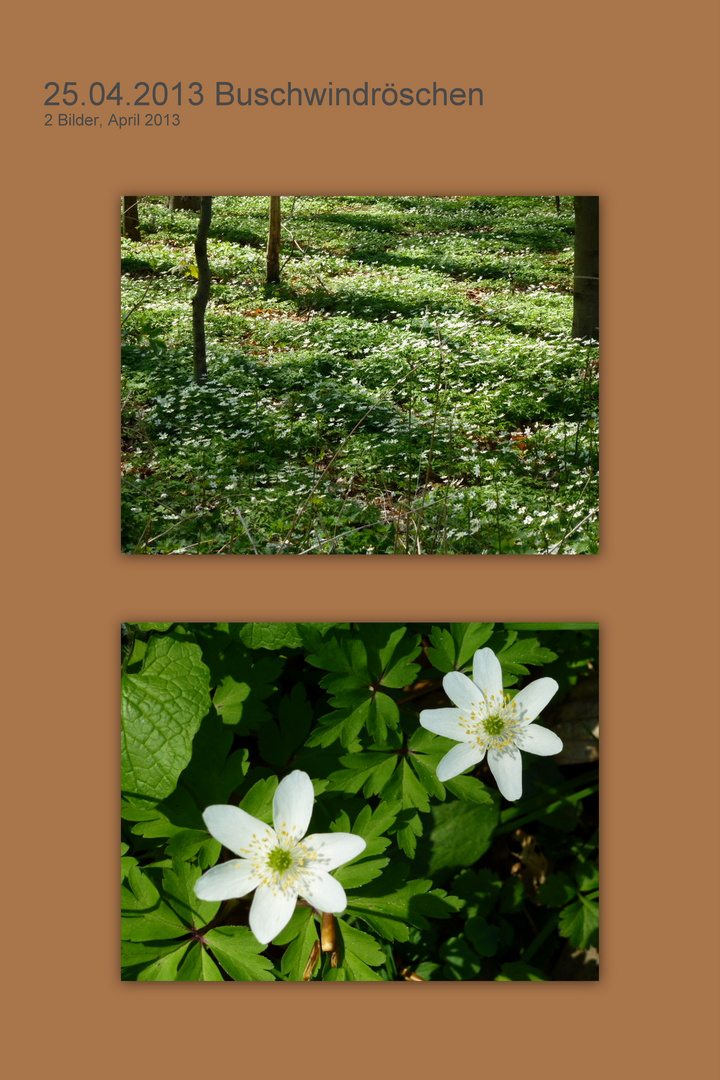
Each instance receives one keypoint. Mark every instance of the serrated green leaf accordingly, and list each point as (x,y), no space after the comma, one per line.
(145,915)
(368,771)
(372,823)
(238,952)
(586,873)
(393,914)
(526,651)
(164,968)
(138,955)
(259,799)
(408,830)
(360,872)
(357,952)
(579,923)
(304,931)
(405,789)
(344,725)
(160,626)
(179,892)
(198,966)
(470,789)
(162,708)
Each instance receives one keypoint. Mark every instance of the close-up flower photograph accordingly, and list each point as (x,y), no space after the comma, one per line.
(359,802)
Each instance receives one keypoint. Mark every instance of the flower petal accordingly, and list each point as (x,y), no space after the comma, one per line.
(487,673)
(443,722)
(234,828)
(506,767)
(271,911)
(324,892)
(293,807)
(457,760)
(462,691)
(335,848)
(532,699)
(540,740)
(226,881)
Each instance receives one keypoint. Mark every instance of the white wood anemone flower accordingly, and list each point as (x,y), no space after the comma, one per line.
(280,863)
(488,721)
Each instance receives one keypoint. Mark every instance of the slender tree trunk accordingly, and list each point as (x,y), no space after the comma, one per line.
(273,244)
(586,302)
(131,221)
(557,203)
(184,202)
(202,295)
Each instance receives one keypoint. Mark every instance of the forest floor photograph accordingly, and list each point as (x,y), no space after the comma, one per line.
(359,375)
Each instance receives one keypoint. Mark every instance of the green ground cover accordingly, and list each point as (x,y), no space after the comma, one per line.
(410,386)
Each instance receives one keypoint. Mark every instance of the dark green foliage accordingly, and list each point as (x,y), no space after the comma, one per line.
(410,385)
(453,883)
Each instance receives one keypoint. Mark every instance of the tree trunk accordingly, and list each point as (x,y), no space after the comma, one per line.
(185,202)
(202,295)
(557,204)
(273,244)
(131,221)
(586,291)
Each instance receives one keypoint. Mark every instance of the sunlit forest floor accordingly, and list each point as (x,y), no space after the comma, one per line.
(410,386)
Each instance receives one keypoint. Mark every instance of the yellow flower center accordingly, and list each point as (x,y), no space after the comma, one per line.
(493,723)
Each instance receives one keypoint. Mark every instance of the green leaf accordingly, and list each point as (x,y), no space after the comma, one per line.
(484,936)
(370,824)
(405,789)
(237,951)
(178,889)
(241,699)
(512,896)
(462,833)
(302,933)
(393,914)
(214,773)
(343,724)
(480,888)
(557,891)
(586,873)
(278,741)
(470,789)
(198,966)
(162,708)
(370,772)
(526,651)
(358,950)
(164,968)
(145,916)
(579,923)
(272,636)
(259,799)
(161,626)
(517,971)
(461,962)
(454,648)
(126,862)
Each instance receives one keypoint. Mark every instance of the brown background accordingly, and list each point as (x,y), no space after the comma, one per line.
(614,100)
